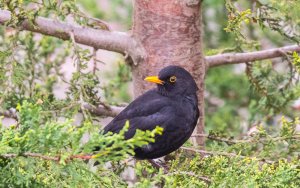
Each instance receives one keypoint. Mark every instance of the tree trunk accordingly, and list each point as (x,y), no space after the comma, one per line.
(170,32)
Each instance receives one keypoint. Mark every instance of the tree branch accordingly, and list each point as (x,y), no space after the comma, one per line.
(125,44)
(101,110)
(249,140)
(111,111)
(45,157)
(234,58)
(205,152)
(203,178)
(99,39)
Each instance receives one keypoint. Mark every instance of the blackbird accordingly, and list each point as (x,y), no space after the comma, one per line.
(172,106)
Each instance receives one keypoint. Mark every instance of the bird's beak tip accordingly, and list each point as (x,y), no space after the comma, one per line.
(154,79)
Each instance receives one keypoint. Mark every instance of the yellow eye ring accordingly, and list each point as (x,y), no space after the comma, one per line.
(172,79)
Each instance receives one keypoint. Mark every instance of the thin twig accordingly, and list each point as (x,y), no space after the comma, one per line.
(78,70)
(203,178)
(224,154)
(251,140)
(45,157)
(158,166)
(95,22)
(101,110)
(94,61)
(220,139)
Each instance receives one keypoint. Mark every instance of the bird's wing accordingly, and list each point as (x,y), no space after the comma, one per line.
(144,113)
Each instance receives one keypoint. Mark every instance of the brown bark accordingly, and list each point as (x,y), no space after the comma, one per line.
(170,32)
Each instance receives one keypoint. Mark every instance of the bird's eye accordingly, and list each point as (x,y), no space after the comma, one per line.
(172,79)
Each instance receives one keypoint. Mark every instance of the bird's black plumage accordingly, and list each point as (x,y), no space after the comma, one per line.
(172,106)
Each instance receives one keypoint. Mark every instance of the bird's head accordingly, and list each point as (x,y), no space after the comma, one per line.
(174,80)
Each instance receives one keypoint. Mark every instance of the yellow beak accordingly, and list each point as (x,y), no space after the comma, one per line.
(154,79)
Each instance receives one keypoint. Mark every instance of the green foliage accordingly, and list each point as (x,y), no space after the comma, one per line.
(224,172)
(236,18)
(280,16)
(296,61)
(255,161)
(44,153)
(24,73)
(275,89)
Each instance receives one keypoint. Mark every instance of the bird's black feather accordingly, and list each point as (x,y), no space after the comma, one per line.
(172,107)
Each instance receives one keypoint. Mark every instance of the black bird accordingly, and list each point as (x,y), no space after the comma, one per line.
(172,106)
